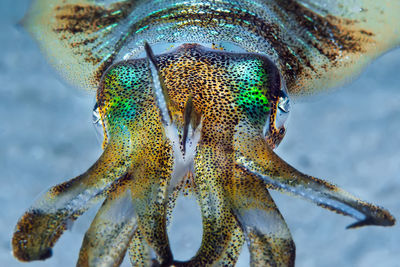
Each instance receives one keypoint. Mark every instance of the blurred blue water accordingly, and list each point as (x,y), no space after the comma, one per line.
(350,137)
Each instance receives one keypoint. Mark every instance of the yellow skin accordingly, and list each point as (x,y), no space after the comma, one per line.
(194,116)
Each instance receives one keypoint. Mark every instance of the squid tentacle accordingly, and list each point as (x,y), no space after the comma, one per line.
(267,235)
(150,184)
(232,251)
(212,168)
(106,241)
(256,157)
(152,165)
(42,225)
(152,219)
(139,250)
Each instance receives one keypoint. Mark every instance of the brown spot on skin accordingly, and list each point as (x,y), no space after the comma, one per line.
(366,33)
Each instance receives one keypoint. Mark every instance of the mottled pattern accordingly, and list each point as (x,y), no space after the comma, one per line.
(316,44)
(203,120)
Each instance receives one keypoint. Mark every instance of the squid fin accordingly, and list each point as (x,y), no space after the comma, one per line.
(323,43)
(81,38)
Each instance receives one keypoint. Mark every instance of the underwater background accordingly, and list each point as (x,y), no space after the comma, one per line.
(350,137)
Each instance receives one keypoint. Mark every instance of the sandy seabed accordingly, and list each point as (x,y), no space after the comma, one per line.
(351,137)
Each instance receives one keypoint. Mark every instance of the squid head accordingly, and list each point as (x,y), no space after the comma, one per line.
(198,116)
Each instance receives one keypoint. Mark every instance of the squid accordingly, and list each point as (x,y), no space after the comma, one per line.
(195,94)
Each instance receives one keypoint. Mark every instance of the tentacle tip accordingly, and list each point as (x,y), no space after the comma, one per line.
(24,251)
(26,255)
(35,234)
(387,220)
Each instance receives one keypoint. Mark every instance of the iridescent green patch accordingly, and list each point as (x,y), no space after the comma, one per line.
(252,85)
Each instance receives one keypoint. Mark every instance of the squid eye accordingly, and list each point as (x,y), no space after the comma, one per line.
(284,103)
(275,127)
(282,113)
(97,123)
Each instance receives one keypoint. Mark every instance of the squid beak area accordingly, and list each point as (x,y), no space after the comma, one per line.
(255,156)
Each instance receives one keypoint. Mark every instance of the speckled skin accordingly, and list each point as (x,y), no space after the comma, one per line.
(196,118)
(228,176)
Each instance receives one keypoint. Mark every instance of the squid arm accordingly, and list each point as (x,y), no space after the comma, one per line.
(212,167)
(267,235)
(257,158)
(42,225)
(106,241)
